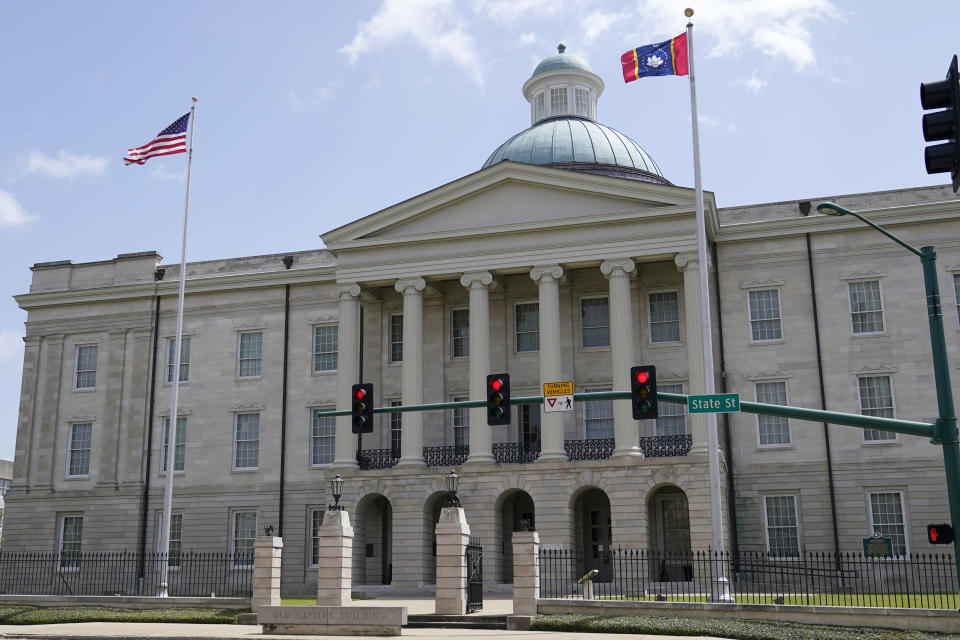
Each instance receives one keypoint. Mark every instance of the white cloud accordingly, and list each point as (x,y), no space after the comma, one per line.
(11,346)
(528,38)
(433,25)
(754,83)
(509,11)
(11,213)
(65,165)
(598,22)
(709,122)
(776,28)
(313,99)
(160,173)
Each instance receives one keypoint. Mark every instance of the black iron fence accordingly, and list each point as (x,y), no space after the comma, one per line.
(125,573)
(925,580)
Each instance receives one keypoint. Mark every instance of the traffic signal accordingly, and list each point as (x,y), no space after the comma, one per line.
(943,125)
(361,407)
(939,534)
(643,392)
(498,399)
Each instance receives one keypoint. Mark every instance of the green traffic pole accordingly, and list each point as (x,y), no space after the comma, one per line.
(946,431)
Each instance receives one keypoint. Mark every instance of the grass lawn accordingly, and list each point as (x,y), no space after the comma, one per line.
(896,600)
(16,614)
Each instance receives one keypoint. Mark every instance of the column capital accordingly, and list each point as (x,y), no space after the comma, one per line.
(410,286)
(345,290)
(687,261)
(546,273)
(617,267)
(476,279)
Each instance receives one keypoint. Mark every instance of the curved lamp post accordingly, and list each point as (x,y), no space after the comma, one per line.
(945,431)
(336,490)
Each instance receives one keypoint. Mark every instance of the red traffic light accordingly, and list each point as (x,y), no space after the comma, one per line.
(496,384)
(360,394)
(642,376)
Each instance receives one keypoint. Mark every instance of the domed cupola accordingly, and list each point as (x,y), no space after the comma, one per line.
(564,131)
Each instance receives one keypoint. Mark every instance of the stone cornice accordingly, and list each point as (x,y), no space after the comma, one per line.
(875,368)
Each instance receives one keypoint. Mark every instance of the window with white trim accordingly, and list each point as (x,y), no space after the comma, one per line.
(764,315)
(876,399)
(250,354)
(527,326)
(886,518)
(242,537)
(323,438)
(85,369)
(530,427)
(316,521)
(664,317)
(581,98)
(396,337)
(595,322)
(598,416)
(396,429)
(671,418)
(461,423)
(176,537)
(179,444)
(539,105)
(866,306)
(325,338)
(783,532)
(71,537)
(460,333)
(246,441)
(184,358)
(772,430)
(78,456)
(558,101)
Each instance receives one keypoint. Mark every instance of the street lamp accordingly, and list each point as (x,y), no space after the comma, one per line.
(453,483)
(336,490)
(945,427)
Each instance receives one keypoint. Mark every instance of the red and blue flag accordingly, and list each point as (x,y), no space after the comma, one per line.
(668,58)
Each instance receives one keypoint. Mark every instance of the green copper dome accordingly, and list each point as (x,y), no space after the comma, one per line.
(561,61)
(579,144)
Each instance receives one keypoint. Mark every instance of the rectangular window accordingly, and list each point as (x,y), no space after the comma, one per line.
(86,367)
(530,427)
(244,532)
(886,518)
(316,521)
(322,439)
(582,98)
(664,317)
(538,106)
(246,442)
(250,354)
(598,417)
(866,306)
(180,445)
(672,418)
(71,536)
(595,322)
(765,315)
(325,338)
(774,430)
(184,358)
(461,424)
(460,332)
(176,537)
(396,429)
(396,337)
(81,435)
(527,317)
(876,399)
(558,101)
(783,540)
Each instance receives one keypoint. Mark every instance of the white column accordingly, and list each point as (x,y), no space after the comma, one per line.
(411,444)
(687,263)
(348,371)
(548,280)
(481,446)
(625,429)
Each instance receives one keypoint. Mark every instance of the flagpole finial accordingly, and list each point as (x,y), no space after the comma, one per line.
(688,12)
(561,48)
(194,98)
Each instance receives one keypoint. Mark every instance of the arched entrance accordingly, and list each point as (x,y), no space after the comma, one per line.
(431,516)
(669,517)
(593,533)
(516,513)
(373,541)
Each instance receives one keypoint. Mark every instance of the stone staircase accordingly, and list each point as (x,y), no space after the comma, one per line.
(472,621)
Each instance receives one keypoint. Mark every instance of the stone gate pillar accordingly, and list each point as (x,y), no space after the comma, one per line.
(335,560)
(526,572)
(453,534)
(267,552)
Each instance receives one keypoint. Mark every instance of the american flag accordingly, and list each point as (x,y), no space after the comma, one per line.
(171,140)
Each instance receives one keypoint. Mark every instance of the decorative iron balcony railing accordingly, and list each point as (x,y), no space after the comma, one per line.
(377,458)
(591,449)
(445,456)
(514,452)
(665,446)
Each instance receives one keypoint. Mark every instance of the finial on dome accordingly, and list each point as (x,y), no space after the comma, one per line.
(561,48)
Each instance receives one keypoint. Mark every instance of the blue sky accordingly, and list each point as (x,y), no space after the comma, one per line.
(312,114)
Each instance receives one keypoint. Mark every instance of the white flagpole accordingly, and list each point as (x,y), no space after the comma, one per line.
(721,587)
(175,386)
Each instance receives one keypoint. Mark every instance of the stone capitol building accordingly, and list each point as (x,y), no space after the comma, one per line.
(593,270)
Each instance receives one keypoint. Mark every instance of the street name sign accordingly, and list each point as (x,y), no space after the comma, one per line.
(715,403)
(557,396)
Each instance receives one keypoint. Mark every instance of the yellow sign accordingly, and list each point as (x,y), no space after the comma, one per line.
(558,388)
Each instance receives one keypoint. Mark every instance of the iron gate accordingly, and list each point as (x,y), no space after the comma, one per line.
(474,557)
